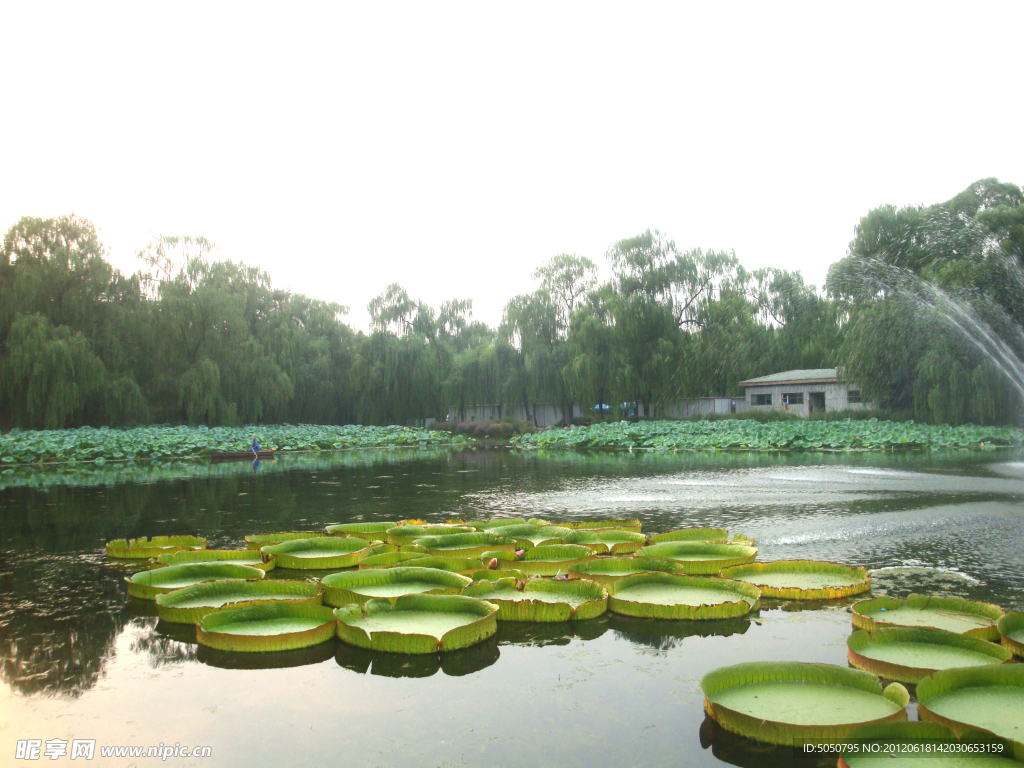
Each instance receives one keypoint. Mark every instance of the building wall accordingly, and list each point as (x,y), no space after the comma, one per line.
(699,406)
(836,397)
(545,414)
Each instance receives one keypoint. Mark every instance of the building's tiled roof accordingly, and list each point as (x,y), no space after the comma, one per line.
(807,376)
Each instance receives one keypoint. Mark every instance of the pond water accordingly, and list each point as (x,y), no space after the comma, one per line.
(79,661)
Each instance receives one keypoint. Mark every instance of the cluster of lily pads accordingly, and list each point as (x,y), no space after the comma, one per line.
(750,435)
(415,588)
(19,447)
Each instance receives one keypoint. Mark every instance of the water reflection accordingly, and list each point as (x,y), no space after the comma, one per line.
(736,750)
(454,664)
(164,643)
(664,635)
(297,657)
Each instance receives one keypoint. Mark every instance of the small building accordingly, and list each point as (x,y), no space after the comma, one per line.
(802,392)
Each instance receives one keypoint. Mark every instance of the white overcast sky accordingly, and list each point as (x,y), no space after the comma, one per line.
(455,147)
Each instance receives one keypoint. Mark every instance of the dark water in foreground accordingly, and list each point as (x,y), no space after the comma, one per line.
(79,662)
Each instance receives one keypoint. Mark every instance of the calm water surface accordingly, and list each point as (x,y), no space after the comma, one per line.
(80,661)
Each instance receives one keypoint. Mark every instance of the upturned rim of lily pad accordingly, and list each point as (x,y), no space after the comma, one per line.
(606,570)
(779,731)
(260,540)
(374,531)
(350,550)
(613,541)
(538,608)
(146,585)
(987,631)
(692,534)
(948,680)
(803,566)
(209,630)
(216,556)
(481,624)
(627,524)
(731,554)
(169,605)
(1011,621)
(465,544)
(862,640)
(747,597)
(142,547)
(403,535)
(344,588)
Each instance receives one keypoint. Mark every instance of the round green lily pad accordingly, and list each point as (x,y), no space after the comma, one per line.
(139,549)
(190,604)
(249,557)
(417,623)
(701,557)
(387,559)
(320,552)
(692,534)
(148,584)
(908,654)
(915,745)
(953,614)
(1011,632)
(463,565)
(793,703)
(675,596)
(612,540)
(989,699)
(260,540)
(608,570)
(802,579)
(402,535)
(389,584)
(270,627)
(527,536)
(542,599)
(496,522)
(598,525)
(547,560)
(466,545)
(371,531)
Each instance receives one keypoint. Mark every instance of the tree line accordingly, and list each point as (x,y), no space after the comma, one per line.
(191,339)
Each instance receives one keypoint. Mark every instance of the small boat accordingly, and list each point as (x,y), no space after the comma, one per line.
(242,455)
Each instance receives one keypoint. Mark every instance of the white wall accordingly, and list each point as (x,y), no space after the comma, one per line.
(836,397)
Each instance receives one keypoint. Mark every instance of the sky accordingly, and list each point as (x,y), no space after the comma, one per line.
(455,147)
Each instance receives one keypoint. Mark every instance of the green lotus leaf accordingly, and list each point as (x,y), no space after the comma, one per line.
(1011,632)
(389,584)
(141,548)
(907,654)
(793,703)
(371,531)
(417,623)
(598,525)
(237,556)
(260,540)
(529,536)
(539,523)
(413,548)
(989,699)
(486,574)
(465,544)
(547,560)
(190,604)
(608,570)
(148,584)
(322,552)
(676,596)
(542,599)
(953,614)
(611,540)
(403,535)
(275,626)
(701,557)
(909,744)
(802,579)
(497,522)
(387,559)
(692,534)
(464,565)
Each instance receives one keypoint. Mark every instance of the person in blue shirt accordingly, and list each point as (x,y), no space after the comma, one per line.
(255,449)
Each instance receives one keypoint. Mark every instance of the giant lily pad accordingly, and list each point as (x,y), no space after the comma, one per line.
(598,525)
(953,614)
(608,570)
(528,536)
(496,522)
(138,549)
(148,584)
(270,627)
(371,531)
(465,544)
(417,623)
(915,745)
(611,540)
(1011,632)
(190,604)
(321,552)
(692,534)
(542,599)
(701,557)
(260,540)
(387,559)
(802,579)
(674,596)
(463,565)
(990,699)
(794,703)
(237,556)
(543,561)
(908,654)
(402,535)
(389,583)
